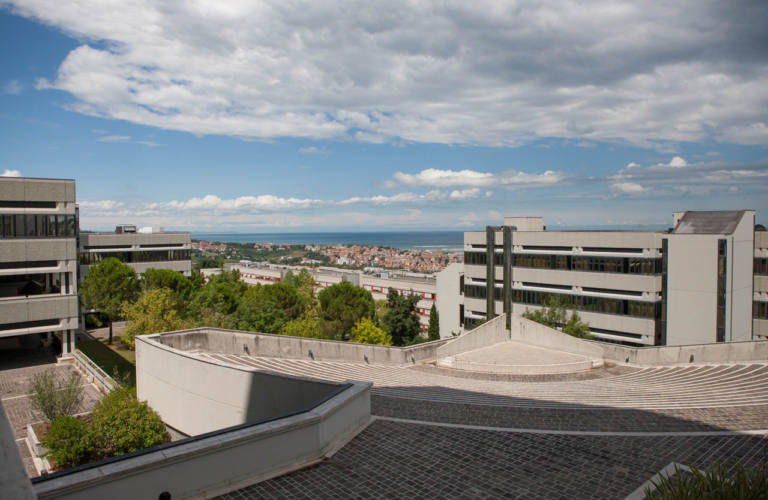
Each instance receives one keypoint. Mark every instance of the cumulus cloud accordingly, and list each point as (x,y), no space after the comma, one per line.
(628,187)
(312,150)
(264,202)
(433,177)
(678,162)
(10,173)
(487,73)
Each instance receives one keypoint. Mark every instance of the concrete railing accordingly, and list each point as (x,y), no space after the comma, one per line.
(519,369)
(93,371)
(285,346)
(727,352)
(529,332)
(489,333)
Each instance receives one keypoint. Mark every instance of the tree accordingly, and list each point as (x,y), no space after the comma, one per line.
(308,326)
(267,308)
(341,306)
(304,283)
(55,397)
(434,324)
(157,310)
(106,286)
(399,320)
(554,315)
(366,332)
(167,278)
(123,424)
(215,304)
(69,442)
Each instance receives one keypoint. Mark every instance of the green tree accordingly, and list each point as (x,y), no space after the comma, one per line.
(123,424)
(166,278)
(341,306)
(399,320)
(106,286)
(69,442)
(434,324)
(307,326)
(157,310)
(366,332)
(304,283)
(214,305)
(267,308)
(555,315)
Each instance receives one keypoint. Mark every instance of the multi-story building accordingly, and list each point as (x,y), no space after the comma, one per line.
(139,249)
(690,284)
(38,259)
(378,283)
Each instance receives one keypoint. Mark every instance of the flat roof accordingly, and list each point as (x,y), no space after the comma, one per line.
(709,222)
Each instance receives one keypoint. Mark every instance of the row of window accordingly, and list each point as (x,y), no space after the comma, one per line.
(37,226)
(760,310)
(89,258)
(626,265)
(581,302)
(761,266)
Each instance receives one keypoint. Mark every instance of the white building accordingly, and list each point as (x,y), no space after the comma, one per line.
(703,281)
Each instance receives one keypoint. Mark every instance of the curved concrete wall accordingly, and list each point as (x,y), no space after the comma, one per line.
(530,332)
(727,352)
(489,333)
(284,346)
(196,396)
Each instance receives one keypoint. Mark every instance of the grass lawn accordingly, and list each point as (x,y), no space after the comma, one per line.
(109,357)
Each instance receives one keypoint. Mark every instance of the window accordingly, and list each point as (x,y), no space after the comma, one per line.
(37,226)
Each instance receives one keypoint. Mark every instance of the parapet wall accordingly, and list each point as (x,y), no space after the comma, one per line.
(489,333)
(196,396)
(285,346)
(530,332)
(727,352)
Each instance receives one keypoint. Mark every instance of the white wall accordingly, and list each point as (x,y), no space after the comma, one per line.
(741,249)
(449,299)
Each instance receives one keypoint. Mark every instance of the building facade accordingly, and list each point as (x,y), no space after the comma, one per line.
(140,250)
(38,259)
(698,282)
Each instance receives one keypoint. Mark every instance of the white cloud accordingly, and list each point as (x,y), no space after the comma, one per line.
(628,187)
(264,202)
(489,73)
(99,205)
(10,173)
(433,177)
(13,87)
(114,138)
(312,150)
(678,162)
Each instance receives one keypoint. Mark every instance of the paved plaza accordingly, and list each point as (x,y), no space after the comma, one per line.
(437,433)
(17,367)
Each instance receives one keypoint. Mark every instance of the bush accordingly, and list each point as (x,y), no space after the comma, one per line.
(123,424)
(716,483)
(55,398)
(366,332)
(69,442)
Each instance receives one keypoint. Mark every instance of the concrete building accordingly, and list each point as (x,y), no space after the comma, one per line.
(695,283)
(38,266)
(140,249)
(378,283)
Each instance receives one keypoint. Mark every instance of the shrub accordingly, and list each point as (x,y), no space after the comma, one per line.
(123,424)
(69,442)
(715,483)
(55,398)
(366,332)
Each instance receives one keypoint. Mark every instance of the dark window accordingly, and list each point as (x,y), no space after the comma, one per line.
(612,250)
(760,310)
(623,265)
(603,305)
(761,266)
(22,265)
(547,248)
(475,258)
(27,204)
(722,260)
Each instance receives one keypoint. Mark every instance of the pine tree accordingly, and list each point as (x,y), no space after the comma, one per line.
(434,324)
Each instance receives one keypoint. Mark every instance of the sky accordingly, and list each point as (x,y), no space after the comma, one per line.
(296,116)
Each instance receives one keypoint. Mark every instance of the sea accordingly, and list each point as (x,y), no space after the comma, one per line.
(433,241)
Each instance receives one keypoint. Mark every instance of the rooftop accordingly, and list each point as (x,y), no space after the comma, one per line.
(709,222)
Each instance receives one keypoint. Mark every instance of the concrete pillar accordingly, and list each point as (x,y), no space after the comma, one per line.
(68,338)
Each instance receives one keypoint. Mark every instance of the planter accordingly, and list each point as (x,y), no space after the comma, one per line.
(34,433)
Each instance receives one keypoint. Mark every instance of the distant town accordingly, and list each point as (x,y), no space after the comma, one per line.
(214,254)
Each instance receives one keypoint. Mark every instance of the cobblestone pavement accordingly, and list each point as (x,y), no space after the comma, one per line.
(398,460)
(17,367)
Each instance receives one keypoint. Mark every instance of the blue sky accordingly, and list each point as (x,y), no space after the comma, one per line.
(294,116)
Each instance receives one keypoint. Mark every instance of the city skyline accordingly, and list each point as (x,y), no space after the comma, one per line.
(299,118)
